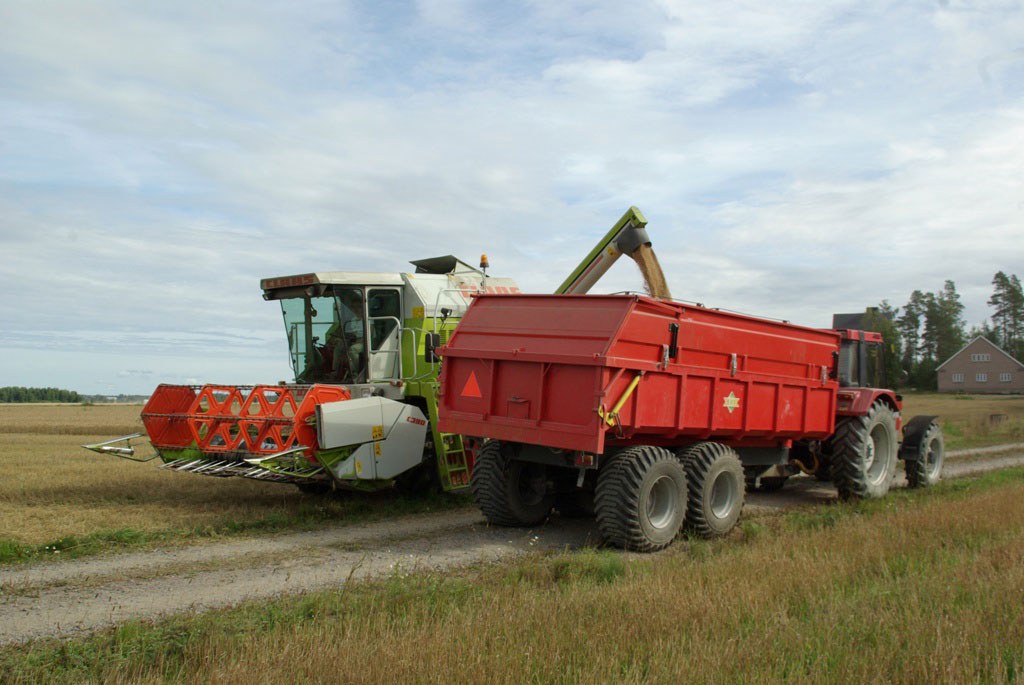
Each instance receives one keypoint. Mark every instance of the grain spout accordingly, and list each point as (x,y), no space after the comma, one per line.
(654,278)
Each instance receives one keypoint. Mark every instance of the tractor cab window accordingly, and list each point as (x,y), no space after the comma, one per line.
(874,365)
(861,364)
(327,336)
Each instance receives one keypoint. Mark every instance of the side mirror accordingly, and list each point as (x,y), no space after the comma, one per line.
(431,341)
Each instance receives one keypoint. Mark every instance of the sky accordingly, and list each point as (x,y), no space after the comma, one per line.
(793,159)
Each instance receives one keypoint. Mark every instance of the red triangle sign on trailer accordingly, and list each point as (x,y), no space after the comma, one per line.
(471,388)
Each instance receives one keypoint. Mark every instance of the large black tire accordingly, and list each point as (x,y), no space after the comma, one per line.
(641,499)
(926,471)
(716,493)
(510,492)
(865,453)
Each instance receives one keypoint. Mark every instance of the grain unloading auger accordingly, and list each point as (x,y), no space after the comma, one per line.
(362,413)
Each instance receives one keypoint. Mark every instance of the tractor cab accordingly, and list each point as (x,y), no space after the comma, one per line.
(861,359)
(341,332)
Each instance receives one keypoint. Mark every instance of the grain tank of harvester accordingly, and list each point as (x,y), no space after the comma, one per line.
(362,412)
(656,415)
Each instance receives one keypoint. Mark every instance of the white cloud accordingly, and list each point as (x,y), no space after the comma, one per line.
(794,158)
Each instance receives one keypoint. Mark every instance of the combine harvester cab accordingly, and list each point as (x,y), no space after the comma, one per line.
(362,413)
(654,414)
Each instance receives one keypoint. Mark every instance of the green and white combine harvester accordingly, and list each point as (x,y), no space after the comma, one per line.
(362,412)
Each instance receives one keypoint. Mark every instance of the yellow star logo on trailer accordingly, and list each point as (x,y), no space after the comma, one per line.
(731,402)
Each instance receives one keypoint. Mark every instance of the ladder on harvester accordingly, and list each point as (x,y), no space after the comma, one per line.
(452,461)
(453,464)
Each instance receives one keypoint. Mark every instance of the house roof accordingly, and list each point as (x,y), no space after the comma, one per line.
(991,344)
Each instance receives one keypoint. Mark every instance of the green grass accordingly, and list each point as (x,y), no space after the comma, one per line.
(316,512)
(923,586)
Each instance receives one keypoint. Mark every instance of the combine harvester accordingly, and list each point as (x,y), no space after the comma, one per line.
(655,415)
(362,413)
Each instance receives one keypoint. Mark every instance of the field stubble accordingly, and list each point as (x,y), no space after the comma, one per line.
(56,495)
(56,498)
(924,587)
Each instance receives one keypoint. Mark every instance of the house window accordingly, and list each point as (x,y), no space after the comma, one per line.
(1005,377)
(981,378)
(981,357)
(958,378)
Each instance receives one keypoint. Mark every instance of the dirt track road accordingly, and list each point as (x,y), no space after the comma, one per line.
(68,598)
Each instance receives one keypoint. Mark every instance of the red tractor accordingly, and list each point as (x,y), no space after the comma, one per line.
(655,415)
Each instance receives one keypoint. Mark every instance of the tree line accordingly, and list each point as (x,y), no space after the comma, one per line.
(930,328)
(17,394)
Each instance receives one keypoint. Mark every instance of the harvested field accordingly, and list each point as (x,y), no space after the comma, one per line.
(971,420)
(55,494)
(53,490)
(926,586)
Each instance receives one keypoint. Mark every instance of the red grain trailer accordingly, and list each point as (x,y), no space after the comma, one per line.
(652,414)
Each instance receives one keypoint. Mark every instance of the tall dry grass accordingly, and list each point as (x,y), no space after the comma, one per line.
(929,588)
(935,594)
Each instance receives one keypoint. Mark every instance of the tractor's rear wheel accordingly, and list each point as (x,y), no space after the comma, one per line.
(510,492)
(865,450)
(926,470)
(715,475)
(641,499)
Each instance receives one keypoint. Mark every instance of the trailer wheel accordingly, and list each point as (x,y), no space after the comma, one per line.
(716,488)
(641,499)
(865,453)
(510,492)
(924,472)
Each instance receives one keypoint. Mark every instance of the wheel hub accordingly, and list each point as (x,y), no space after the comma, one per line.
(723,495)
(662,502)
(877,454)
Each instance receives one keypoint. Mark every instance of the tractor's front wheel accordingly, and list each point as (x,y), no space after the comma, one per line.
(716,493)
(865,450)
(926,470)
(641,499)
(510,492)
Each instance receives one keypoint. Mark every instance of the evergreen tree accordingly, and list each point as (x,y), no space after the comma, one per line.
(909,326)
(985,330)
(1007,302)
(943,324)
(17,394)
